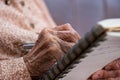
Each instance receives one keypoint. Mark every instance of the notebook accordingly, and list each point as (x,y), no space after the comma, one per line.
(100,46)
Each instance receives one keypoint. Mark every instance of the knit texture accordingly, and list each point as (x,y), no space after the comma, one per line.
(20,22)
(35,12)
(13,69)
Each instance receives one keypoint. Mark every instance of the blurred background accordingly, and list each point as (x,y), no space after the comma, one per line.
(83,14)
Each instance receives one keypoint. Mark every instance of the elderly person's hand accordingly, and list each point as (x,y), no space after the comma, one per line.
(109,72)
(51,45)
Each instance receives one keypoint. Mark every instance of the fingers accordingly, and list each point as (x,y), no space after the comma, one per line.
(56,52)
(48,42)
(68,36)
(115,65)
(103,74)
(109,72)
(51,45)
(65,27)
(65,46)
(67,33)
(45,32)
(43,42)
(63,37)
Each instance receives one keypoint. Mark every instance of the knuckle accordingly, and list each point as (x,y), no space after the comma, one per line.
(63,27)
(52,48)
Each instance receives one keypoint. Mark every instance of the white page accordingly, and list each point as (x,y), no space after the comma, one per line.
(106,52)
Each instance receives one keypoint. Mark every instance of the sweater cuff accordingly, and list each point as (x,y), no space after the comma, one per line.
(14,69)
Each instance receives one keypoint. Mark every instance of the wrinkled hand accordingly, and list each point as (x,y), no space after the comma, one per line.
(51,45)
(109,72)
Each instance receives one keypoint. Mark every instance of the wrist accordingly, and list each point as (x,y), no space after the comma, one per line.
(38,67)
(27,64)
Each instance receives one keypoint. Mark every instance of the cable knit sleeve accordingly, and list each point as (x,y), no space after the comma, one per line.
(14,69)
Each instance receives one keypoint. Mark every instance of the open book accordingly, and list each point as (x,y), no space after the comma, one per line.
(99,47)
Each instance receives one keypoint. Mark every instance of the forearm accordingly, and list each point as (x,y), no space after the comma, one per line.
(39,67)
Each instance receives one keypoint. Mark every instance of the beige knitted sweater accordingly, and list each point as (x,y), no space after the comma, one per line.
(20,21)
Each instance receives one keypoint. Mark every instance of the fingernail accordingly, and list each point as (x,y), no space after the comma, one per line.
(95,76)
(107,68)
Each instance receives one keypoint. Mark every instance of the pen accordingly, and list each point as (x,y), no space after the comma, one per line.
(28,45)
